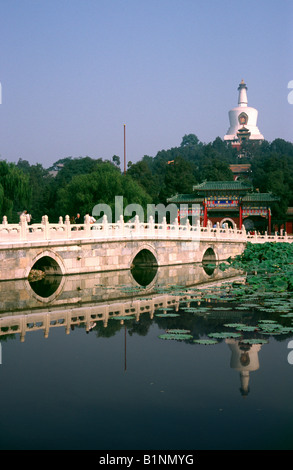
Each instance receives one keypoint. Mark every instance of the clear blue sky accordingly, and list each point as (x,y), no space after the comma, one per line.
(73,72)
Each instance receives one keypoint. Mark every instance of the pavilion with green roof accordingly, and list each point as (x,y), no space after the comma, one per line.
(227,202)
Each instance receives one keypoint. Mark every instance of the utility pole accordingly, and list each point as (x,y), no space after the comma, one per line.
(124,150)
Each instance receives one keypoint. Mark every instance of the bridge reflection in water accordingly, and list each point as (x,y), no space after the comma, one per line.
(71,300)
(92,300)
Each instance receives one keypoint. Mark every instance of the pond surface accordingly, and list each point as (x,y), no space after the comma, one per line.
(72,376)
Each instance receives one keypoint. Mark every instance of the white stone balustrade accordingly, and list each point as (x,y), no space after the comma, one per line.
(63,230)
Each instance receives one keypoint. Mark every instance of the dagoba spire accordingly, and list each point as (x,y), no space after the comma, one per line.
(242,100)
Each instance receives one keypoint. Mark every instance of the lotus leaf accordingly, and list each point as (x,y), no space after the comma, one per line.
(224,335)
(246,328)
(205,341)
(167,315)
(254,341)
(177,331)
(175,336)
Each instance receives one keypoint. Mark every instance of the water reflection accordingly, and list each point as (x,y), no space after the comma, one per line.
(46,287)
(244,359)
(104,303)
(144,276)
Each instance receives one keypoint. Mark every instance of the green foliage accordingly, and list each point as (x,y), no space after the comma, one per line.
(100,186)
(77,184)
(272,171)
(41,184)
(15,191)
(268,265)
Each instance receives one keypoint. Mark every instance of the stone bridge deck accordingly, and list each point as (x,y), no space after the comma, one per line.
(67,249)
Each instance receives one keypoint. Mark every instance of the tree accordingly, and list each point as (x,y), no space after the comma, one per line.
(41,185)
(142,174)
(189,140)
(180,177)
(101,186)
(116,160)
(15,191)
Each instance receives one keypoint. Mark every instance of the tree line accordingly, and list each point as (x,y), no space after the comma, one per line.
(76,185)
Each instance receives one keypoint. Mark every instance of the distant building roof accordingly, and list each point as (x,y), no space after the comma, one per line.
(223,186)
(185,199)
(260,197)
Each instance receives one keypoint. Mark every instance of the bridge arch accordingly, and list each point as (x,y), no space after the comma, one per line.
(48,262)
(210,254)
(209,260)
(145,255)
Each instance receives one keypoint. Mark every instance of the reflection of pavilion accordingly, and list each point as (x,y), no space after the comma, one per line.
(245,360)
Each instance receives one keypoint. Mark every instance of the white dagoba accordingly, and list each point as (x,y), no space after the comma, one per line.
(243,120)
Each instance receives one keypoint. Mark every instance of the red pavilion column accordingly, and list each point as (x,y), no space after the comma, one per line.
(205,214)
(240,216)
(270,222)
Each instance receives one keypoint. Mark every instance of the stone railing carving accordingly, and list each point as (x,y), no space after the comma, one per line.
(64,230)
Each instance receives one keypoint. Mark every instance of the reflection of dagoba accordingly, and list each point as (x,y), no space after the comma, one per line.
(245,360)
(243,120)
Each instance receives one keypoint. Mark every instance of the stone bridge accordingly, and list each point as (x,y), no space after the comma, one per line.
(67,249)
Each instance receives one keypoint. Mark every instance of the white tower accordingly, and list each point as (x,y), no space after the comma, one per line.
(243,120)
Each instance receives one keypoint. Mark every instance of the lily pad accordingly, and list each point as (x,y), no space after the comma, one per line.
(175,336)
(224,335)
(167,315)
(177,331)
(246,328)
(205,341)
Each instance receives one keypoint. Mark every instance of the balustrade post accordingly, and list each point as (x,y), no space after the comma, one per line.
(136,225)
(176,225)
(45,222)
(198,229)
(67,226)
(23,227)
(4,221)
(105,226)
(209,227)
(121,226)
(87,225)
(188,227)
(164,224)
(60,220)
(151,229)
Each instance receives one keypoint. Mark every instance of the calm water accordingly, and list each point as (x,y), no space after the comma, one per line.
(73,377)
